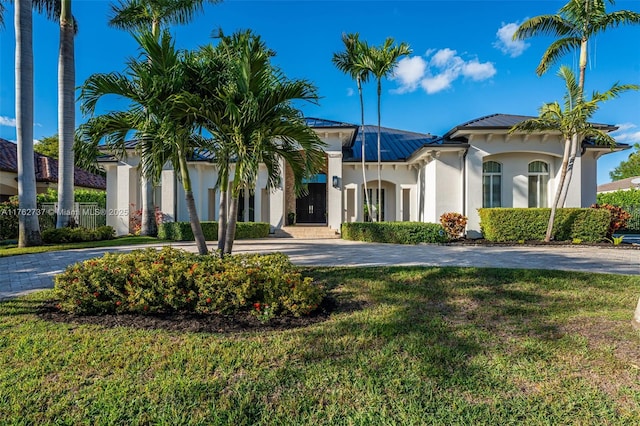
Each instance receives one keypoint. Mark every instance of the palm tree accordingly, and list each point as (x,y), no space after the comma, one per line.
(574,24)
(352,61)
(29,228)
(381,61)
(154,85)
(153,15)
(251,116)
(66,114)
(571,120)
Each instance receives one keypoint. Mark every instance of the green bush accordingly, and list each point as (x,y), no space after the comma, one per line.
(394,232)
(74,235)
(79,196)
(181,231)
(530,224)
(175,280)
(9,220)
(620,198)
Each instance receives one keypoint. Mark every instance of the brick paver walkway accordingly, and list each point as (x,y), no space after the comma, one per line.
(26,273)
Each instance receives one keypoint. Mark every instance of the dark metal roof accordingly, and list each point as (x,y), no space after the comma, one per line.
(395,145)
(322,123)
(503,121)
(46,167)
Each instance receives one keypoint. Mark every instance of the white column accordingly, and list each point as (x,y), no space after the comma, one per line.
(474,191)
(257,196)
(276,203)
(334,195)
(399,202)
(168,196)
(119,216)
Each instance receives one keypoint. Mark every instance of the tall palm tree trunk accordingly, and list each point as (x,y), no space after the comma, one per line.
(556,200)
(231,224)
(29,228)
(573,152)
(148,224)
(364,172)
(66,115)
(379,203)
(196,227)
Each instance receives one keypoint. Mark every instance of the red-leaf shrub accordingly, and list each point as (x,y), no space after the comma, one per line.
(454,224)
(619,217)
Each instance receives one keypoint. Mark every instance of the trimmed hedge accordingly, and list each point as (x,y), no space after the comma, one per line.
(169,280)
(8,220)
(394,232)
(530,224)
(75,235)
(181,231)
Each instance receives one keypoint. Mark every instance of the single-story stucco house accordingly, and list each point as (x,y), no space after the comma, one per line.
(46,169)
(475,164)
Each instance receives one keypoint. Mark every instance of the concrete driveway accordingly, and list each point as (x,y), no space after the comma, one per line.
(26,273)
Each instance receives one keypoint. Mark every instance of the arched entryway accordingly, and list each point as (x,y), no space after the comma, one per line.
(312,208)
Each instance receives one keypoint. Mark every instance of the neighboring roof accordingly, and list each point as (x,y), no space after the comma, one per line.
(504,121)
(322,123)
(46,167)
(621,184)
(395,145)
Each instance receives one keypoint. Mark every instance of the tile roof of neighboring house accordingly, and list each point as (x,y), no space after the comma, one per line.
(395,145)
(46,167)
(620,184)
(503,121)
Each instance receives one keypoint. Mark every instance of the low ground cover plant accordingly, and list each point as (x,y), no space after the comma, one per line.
(148,281)
(394,232)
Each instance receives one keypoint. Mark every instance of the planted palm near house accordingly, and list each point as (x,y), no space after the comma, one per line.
(170,280)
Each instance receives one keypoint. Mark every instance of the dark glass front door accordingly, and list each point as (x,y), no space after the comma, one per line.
(312,208)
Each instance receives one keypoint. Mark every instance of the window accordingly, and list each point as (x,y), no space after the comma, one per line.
(491,184)
(538,182)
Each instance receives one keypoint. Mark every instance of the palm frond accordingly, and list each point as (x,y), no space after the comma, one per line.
(555,51)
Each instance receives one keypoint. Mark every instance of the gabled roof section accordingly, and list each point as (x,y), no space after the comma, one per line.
(395,145)
(322,123)
(504,122)
(46,167)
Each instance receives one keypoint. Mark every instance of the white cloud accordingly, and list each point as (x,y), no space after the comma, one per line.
(438,70)
(477,71)
(438,83)
(409,71)
(505,42)
(7,121)
(349,91)
(626,134)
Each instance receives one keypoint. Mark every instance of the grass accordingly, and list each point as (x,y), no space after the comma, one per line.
(14,250)
(417,346)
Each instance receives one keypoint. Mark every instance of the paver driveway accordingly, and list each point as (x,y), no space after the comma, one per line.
(26,273)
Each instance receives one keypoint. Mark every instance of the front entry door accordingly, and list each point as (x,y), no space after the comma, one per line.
(312,208)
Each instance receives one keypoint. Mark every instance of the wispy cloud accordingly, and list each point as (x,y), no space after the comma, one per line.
(350,91)
(626,133)
(7,121)
(439,70)
(505,42)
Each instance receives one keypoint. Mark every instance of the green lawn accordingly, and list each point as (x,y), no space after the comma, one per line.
(417,346)
(14,250)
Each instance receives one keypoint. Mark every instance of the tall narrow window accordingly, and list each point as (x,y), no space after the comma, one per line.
(491,184)
(538,183)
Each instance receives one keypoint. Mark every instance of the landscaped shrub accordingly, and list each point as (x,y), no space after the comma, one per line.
(74,235)
(181,231)
(453,224)
(79,196)
(174,280)
(619,217)
(530,224)
(394,232)
(9,220)
(630,197)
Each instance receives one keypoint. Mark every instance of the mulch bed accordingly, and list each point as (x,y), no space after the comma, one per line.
(198,323)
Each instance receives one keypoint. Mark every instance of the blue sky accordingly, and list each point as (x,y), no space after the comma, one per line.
(461,68)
